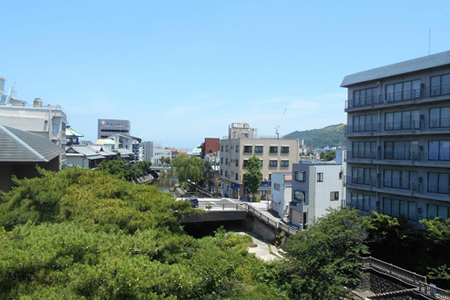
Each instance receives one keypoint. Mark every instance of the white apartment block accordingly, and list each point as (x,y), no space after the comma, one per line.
(315,188)
(281,194)
(398,125)
(276,155)
(152,152)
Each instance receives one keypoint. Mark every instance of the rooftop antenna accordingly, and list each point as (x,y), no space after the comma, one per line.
(429,40)
(278,127)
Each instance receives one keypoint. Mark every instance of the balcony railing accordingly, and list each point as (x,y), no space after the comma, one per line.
(396,97)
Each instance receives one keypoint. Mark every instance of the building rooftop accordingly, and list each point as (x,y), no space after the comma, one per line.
(21,146)
(413,65)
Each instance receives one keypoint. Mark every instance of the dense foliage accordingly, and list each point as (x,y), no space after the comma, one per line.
(188,168)
(324,261)
(333,136)
(253,174)
(126,170)
(85,234)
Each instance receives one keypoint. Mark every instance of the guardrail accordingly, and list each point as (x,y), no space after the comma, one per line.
(269,221)
(415,279)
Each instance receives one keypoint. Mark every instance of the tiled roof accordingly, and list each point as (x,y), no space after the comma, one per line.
(21,146)
(72,132)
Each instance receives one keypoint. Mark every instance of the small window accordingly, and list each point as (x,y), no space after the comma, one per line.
(221,148)
(276,186)
(245,163)
(334,196)
(300,196)
(237,149)
(340,175)
(300,176)
(273,163)
(261,163)
(248,149)
(273,149)
(259,149)
(319,177)
(284,164)
(236,177)
(284,149)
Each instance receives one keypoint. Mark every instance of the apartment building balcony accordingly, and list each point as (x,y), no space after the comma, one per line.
(403,98)
(423,127)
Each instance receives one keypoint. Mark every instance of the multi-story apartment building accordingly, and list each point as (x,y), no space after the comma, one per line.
(398,125)
(152,152)
(276,155)
(315,188)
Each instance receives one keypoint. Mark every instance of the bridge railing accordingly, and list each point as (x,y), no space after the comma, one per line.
(266,219)
(433,291)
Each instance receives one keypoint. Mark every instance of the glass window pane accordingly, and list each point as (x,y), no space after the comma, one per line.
(416,88)
(433,150)
(404,208)
(387,178)
(404,180)
(355,151)
(443,212)
(369,96)
(434,117)
(360,175)
(431,211)
(356,98)
(443,183)
(397,120)
(356,124)
(361,149)
(387,206)
(415,117)
(398,92)
(407,90)
(413,179)
(390,92)
(435,86)
(362,120)
(388,153)
(395,207)
(360,201)
(433,182)
(374,122)
(445,117)
(366,176)
(406,120)
(368,123)
(445,84)
(412,210)
(444,150)
(396,178)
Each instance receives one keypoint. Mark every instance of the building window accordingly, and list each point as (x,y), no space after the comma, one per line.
(273,149)
(300,176)
(226,161)
(402,120)
(402,91)
(226,148)
(284,149)
(365,97)
(438,183)
(226,174)
(259,149)
(237,149)
(334,196)
(236,176)
(365,123)
(401,150)
(248,149)
(440,117)
(364,202)
(221,172)
(221,148)
(401,179)
(245,163)
(364,149)
(284,164)
(439,150)
(273,163)
(276,186)
(300,196)
(434,211)
(262,163)
(440,85)
(221,160)
(319,177)
(237,163)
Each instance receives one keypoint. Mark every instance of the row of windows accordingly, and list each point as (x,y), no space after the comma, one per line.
(402,120)
(272,163)
(260,149)
(365,123)
(301,176)
(438,183)
(403,90)
(365,97)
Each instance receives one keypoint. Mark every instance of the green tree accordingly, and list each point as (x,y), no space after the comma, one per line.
(162,160)
(188,168)
(324,261)
(330,156)
(167,160)
(254,174)
(125,169)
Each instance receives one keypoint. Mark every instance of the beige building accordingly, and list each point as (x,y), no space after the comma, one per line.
(276,155)
(398,125)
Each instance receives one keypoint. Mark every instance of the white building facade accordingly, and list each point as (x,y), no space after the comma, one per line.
(281,194)
(153,152)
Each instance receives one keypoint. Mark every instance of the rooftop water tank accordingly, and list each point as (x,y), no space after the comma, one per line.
(37,102)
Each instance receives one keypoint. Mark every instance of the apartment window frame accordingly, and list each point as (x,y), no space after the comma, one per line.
(439,150)
(438,183)
(365,123)
(401,150)
(284,164)
(334,196)
(364,149)
(401,91)
(402,120)
(437,120)
(284,149)
(365,97)
(259,149)
(248,149)
(273,149)
(300,176)
(245,163)
(300,196)
(273,163)
(319,177)
(439,85)
(276,186)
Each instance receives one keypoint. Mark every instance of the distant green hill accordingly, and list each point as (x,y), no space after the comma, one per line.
(332,136)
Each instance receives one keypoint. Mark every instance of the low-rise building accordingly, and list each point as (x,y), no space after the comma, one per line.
(281,194)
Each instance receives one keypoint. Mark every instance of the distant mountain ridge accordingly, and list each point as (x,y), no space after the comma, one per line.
(332,136)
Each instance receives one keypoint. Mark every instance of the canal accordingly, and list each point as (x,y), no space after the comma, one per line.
(165,183)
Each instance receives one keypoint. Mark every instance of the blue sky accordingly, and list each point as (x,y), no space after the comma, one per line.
(181,71)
